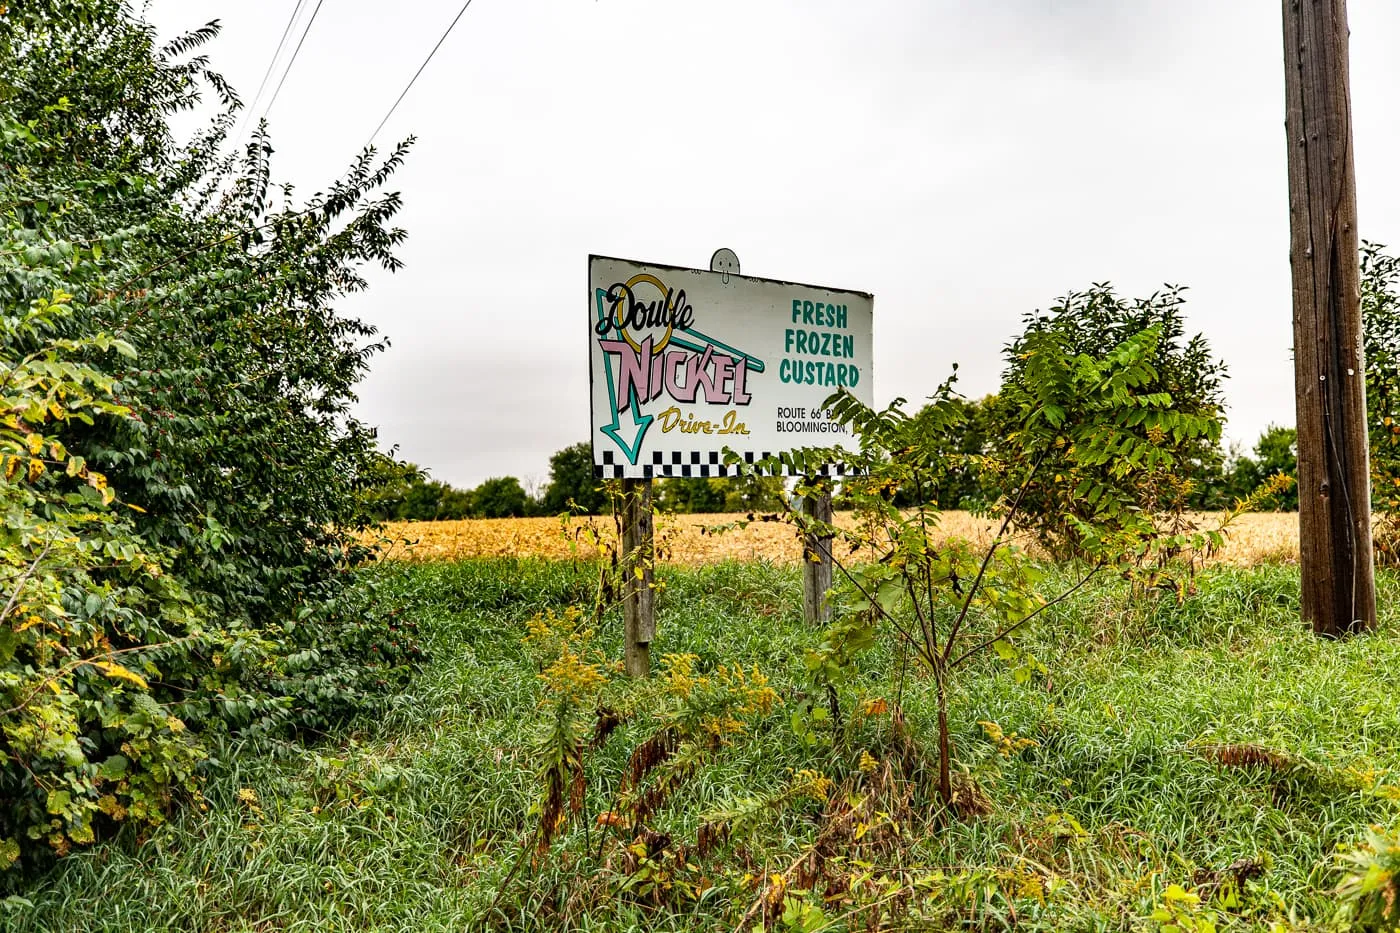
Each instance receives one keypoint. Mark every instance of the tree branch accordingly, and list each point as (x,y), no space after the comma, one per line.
(74,665)
(1024,620)
(24,578)
(986,560)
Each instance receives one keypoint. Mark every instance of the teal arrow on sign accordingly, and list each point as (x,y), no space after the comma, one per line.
(639,422)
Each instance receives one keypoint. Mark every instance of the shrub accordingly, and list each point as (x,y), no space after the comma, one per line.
(89,615)
(1380,319)
(1180,377)
(166,329)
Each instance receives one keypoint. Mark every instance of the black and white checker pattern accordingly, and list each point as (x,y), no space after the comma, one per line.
(677,464)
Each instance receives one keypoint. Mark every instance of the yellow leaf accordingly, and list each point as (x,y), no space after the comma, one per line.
(109,805)
(875,706)
(9,848)
(117,672)
(36,469)
(36,444)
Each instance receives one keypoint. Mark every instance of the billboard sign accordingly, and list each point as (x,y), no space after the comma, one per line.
(686,362)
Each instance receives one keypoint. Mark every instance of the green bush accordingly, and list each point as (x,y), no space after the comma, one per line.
(89,615)
(1380,317)
(1181,377)
(167,328)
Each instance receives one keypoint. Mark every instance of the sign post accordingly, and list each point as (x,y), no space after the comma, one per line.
(689,364)
(816,559)
(638,594)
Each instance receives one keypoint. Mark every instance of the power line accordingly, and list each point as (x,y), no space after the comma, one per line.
(293,59)
(272,63)
(440,41)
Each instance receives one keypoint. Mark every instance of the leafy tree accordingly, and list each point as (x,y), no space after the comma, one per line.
(970,433)
(434,500)
(387,484)
(1276,453)
(402,491)
(571,480)
(226,589)
(1180,377)
(698,495)
(1212,478)
(752,493)
(1234,476)
(501,497)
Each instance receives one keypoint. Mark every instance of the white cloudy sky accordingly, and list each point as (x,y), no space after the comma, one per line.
(964,161)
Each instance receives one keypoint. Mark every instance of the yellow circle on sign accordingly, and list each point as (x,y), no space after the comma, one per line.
(670,326)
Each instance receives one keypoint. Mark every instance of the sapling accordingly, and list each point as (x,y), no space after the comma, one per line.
(947,601)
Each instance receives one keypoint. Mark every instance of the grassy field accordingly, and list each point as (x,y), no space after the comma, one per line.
(1135,777)
(691,539)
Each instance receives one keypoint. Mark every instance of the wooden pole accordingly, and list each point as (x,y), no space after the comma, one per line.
(816,560)
(638,557)
(1334,487)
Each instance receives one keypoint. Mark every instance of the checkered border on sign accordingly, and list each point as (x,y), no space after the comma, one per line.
(674,464)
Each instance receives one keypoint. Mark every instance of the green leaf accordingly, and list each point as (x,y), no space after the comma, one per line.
(59,801)
(114,768)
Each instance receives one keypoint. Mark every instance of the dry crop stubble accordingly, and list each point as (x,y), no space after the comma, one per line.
(692,539)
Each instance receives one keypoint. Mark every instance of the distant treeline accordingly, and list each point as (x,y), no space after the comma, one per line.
(407,493)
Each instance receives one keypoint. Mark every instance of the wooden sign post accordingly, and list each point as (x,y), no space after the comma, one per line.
(816,559)
(638,593)
(1334,484)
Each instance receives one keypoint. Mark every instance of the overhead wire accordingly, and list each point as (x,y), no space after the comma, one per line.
(286,71)
(293,60)
(272,63)
(409,86)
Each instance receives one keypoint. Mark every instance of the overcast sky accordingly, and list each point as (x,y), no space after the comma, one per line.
(966,162)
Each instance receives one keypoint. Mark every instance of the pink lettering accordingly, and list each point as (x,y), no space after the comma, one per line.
(718,378)
(741,378)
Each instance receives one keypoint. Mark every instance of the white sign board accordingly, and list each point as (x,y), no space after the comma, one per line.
(685,363)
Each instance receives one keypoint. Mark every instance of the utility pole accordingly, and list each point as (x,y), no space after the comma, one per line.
(1334,483)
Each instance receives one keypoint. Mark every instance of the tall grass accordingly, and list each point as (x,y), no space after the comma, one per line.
(416,821)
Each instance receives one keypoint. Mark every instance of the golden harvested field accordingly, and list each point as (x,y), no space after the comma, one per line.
(688,539)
